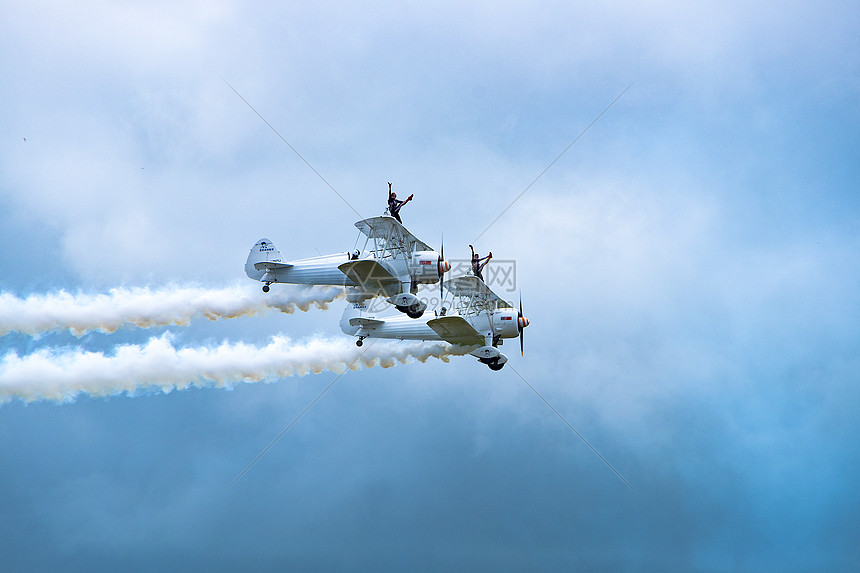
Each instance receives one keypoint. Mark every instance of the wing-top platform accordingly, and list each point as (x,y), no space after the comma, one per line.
(475,296)
(390,237)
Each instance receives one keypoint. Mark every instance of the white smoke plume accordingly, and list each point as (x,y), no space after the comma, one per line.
(64,374)
(144,307)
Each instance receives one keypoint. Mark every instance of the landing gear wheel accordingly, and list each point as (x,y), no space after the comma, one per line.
(414,311)
(495,366)
(359,342)
(265,288)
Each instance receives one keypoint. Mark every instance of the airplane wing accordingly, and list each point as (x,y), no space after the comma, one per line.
(370,275)
(456,330)
(388,229)
(474,288)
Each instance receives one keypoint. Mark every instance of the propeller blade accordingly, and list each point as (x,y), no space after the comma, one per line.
(520,325)
(441,274)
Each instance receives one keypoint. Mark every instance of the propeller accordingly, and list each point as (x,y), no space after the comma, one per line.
(522,322)
(444,267)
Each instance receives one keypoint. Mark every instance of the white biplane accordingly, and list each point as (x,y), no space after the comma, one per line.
(480,319)
(392,263)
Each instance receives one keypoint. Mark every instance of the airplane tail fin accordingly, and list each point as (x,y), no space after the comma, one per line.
(352,310)
(263,251)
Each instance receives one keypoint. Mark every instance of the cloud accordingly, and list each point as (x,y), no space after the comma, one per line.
(689,269)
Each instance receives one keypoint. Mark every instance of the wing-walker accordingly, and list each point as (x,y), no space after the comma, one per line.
(392,264)
(478,319)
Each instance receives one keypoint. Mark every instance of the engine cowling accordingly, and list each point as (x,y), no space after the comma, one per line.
(427,266)
(505,323)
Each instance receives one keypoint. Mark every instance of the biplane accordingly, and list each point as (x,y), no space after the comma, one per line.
(392,263)
(478,318)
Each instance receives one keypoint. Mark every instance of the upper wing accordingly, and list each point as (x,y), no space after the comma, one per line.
(474,288)
(370,275)
(389,230)
(456,330)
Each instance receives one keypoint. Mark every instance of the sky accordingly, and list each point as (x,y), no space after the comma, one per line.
(689,268)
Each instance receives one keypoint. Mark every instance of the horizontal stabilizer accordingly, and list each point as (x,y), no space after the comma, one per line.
(271,266)
(456,330)
(371,322)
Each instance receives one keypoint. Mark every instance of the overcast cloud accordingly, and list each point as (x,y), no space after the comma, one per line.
(689,268)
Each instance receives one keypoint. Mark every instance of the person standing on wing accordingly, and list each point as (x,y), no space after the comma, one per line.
(479,263)
(394,204)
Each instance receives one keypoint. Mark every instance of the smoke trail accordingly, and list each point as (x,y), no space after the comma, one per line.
(62,375)
(146,308)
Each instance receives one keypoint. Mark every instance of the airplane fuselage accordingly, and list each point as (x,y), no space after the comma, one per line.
(395,327)
(311,271)
(497,325)
(388,275)
(480,333)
